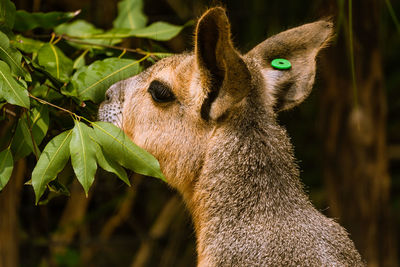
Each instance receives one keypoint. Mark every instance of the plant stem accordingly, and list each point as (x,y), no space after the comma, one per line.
(352,64)
(393,15)
(54,106)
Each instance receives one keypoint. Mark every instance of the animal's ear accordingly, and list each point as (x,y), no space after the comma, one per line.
(223,73)
(289,87)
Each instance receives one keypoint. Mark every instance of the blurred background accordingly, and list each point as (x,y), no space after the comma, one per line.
(346,137)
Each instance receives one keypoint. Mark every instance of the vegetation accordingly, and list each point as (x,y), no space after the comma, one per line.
(41,79)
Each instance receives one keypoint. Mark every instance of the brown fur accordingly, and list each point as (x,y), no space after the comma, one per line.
(219,145)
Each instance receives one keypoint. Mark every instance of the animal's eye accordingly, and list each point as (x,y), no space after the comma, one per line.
(160,92)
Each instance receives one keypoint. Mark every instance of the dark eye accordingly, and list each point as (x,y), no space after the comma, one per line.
(160,92)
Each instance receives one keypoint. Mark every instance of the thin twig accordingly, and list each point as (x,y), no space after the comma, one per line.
(54,106)
(12,113)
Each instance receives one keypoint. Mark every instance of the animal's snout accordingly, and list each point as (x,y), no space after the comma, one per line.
(111,108)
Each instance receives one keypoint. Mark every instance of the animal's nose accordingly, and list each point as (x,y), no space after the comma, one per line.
(108,95)
(113,93)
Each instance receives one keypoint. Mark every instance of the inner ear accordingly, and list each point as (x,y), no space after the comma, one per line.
(209,35)
(212,37)
(222,70)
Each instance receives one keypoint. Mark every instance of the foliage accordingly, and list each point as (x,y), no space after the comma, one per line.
(54,70)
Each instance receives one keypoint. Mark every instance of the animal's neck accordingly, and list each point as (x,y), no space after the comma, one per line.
(248,178)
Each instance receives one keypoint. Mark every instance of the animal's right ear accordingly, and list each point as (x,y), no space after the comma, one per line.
(224,76)
(289,87)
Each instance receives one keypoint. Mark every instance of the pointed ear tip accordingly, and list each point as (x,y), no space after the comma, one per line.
(214,12)
(217,10)
(327,27)
(328,23)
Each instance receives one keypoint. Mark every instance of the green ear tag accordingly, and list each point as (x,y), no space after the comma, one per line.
(281,64)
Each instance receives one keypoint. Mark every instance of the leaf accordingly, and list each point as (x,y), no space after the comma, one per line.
(22,142)
(7,13)
(81,29)
(161,54)
(80,61)
(52,160)
(26,45)
(6,167)
(25,21)
(83,155)
(106,163)
(53,60)
(43,91)
(77,28)
(160,31)
(130,15)
(12,91)
(40,70)
(12,57)
(56,187)
(117,145)
(91,82)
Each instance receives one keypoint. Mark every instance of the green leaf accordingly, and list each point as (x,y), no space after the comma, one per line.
(40,70)
(161,54)
(6,167)
(130,15)
(160,31)
(21,145)
(53,159)
(7,13)
(81,29)
(53,60)
(80,61)
(10,89)
(22,142)
(12,57)
(91,82)
(117,145)
(44,92)
(106,163)
(25,21)
(58,188)
(77,28)
(26,45)
(83,155)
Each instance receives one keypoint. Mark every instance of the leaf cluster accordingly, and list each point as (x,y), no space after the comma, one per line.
(54,69)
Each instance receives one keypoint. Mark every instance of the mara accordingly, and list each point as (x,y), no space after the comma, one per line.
(209,117)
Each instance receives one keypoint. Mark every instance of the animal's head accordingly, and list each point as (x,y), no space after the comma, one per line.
(173,108)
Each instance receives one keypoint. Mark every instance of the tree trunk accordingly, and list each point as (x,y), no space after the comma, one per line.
(9,203)
(354,134)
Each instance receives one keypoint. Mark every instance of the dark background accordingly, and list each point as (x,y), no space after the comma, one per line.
(348,150)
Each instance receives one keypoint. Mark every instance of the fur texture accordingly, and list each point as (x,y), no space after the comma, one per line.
(219,145)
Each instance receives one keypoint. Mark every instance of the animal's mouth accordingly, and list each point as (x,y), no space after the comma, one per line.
(110,112)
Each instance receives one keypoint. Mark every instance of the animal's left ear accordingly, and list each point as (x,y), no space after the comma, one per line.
(289,87)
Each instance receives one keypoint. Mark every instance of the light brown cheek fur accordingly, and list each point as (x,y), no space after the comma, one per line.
(180,150)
